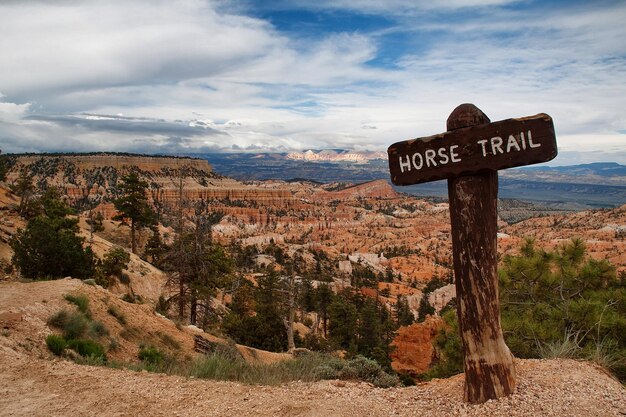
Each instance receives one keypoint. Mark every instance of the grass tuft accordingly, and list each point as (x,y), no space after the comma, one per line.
(80,301)
(56,344)
(119,316)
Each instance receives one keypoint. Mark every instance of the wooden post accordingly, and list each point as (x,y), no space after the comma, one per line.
(468,155)
(488,363)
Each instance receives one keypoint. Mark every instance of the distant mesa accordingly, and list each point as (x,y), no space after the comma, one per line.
(336,156)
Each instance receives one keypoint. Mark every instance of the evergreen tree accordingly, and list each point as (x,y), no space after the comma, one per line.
(323,299)
(3,167)
(155,248)
(49,246)
(23,188)
(404,316)
(343,323)
(95,222)
(133,206)
(552,299)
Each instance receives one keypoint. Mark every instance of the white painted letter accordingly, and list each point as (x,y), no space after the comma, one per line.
(496,143)
(512,143)
(483,144)
(415,163)
(430,157)
(453,155)
(530,141)
(443,158)
(406,164)
(521,135)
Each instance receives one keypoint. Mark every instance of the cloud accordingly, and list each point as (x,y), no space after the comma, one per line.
(206,75)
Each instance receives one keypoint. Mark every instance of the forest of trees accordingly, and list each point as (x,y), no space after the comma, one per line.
(559,302)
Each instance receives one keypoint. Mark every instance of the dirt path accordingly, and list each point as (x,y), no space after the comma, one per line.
(39,387)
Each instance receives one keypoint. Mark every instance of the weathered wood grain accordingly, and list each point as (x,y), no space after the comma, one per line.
(488,362)
(472,149)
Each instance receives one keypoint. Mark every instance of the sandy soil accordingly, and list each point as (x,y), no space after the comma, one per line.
(39,387)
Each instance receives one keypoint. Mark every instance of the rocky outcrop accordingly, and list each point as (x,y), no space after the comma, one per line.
(373,189)
(120,162)
(414,351)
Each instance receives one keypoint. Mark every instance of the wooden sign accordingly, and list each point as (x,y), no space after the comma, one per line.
(465,151)
(469,155)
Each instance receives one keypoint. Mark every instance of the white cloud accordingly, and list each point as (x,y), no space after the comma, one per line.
(179,62)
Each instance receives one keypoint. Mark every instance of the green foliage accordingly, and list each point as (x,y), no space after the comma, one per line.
(115,261)
(49,246)
(95,222)
(81,301)
(133,205)
(87,348)
(264,330)
(558,303)
(425,308)
(449,350)
(361,326)
(151,355)
(343,323)
(155,248)
(404,315)
(56,344)
(3,167)
(73,325)
(23,188)
(310,367)
(98,329)
(119,316)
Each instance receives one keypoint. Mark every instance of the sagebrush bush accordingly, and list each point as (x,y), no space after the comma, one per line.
(87,348)
(117,314)
(151,355)
(98,329)
(74,325)
(81,301)
(56,344)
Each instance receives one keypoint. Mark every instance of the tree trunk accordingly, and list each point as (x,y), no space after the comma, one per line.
(133,245)
(193,310)
(291,344)
(488,362)
(181,297)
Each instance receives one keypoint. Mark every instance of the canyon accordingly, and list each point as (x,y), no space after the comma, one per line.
(368,225)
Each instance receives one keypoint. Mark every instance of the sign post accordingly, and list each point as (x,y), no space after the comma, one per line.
(469,155)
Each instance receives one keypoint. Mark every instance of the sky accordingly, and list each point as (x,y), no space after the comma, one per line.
(192,76)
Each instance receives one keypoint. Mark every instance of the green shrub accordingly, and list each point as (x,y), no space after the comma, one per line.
(169,340)
(151,355)
(117,314)
(98,329)
(115,261)
(87,348)
(113,344)
(59,318)
(368,370)
(80,301)
(90,281)
(56,344)
(73,325)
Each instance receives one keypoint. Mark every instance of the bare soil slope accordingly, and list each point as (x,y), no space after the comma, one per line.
(38,387)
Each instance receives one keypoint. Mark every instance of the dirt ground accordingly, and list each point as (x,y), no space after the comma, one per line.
(34,383)
(40,387)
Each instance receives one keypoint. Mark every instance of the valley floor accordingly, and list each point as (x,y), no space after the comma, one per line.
(38,387)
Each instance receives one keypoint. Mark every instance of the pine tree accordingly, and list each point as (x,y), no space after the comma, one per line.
(49,246)
(404,316)
(23,188)
(133,205)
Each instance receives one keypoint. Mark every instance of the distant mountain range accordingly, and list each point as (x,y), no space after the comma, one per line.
(568,187)
(336,156)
